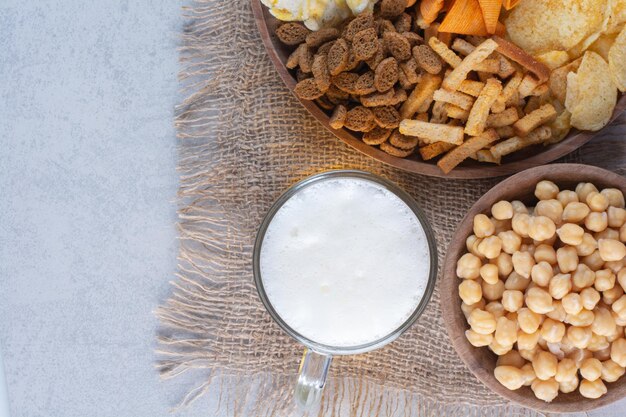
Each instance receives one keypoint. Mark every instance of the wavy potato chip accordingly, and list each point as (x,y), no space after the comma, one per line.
(617,17)
(555,25)
(602,45)
(554,59)
(591,94)
(617,60)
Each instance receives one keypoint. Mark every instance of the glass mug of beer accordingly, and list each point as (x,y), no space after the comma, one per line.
(344,262)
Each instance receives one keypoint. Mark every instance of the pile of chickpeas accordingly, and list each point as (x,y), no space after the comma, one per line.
(543,288)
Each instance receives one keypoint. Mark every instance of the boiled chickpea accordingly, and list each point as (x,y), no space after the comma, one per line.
(545,390)
(589,298)
(618,352)
(579,355)
(489,273)
(607,233)
(621,278)
(565,370)
(509,376)
(551,209)
(604,354)
(615,197)
(560,285)
(471,243)
(539,301)
(582,319)
(511,241)
(619,320)
(527,341)
(566,345)
(529,354)
(527,248)
(519,207)
(516,282)
(483,226)
(619,307)
(512,358)
(569,386)
(567,196)
(499,349)
(506,331)
(549,242)
(622,233)
(541,273)
(512,300)
(583,189)
(523,263)
(596,222)
(493,292)
(541,228)
(612,295)
(544,365)
(502,210)
(597,343)
(605,280)
(591,369)
(610,250)
(504,262)
(482,322)
(603,322)
(616,217)
(477,339)
(575,212)
(572,303)
(615,266)
(567,258)
(583,277)
(611,371)
(593,261)
(528,320)
(468,266)
(490,247)
(597,201)
(520,224)
(496,308)
(467,308)
(545,190)
(580,337)
(571,234)
(592,389)
(545,253)
(470,291)
(528,374)
(552,331)
(587,246)
(558,312)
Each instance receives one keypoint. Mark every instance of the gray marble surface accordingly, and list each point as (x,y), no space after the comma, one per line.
(87,183)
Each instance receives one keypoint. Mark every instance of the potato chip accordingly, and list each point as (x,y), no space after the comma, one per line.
(617,16)
(554,59)
(617,60)
(591,94)
(602,45)
(554,25)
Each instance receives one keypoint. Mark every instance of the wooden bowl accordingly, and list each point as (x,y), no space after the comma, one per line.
(481,361)
(527,158)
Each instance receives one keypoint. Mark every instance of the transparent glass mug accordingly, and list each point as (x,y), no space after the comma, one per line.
(317,357)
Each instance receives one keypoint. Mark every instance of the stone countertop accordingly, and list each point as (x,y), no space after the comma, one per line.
(87,188)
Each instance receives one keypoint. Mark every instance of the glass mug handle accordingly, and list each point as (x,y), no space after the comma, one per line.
(311,378)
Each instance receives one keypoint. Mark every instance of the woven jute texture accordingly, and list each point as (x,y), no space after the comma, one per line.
(244,139)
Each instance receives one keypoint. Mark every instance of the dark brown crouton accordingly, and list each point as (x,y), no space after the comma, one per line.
(427,59)
(378,56)
(363,21)
(376,136)
(293,59)
(365,44)
(325,103)
(393,151)
(404,82)
(300,75)
(392,8)
(386,116)
(337,96)
(401,141)
(378,99)
(359,119)
(399,95)
(292,33)
(346,81)
(403,23)
(384,25)
(386,74)
(320,72)
(325,48)
(308,89)
(411,70)
(305,58)
(353,62)
(338,117)
(413,38)
(338,57)
(365,84)
(397,45)
(315,39)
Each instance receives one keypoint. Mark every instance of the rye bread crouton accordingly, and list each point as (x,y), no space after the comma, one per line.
(386,116)
(413,38)
(359,119)
(305,58)
(403,23)
(365,84)
(378,99)
(376,136)
(384,25)
(393,151)
(337,96)
(365,44)
(320,72)
(378,56)
(401,141)
(386,74)
(317,38)
(292,33)
(397,45)
(411,70)
(363,21)
(392,8)
(307,89)
(325,47)
(338,117)
(293,60)
(427,59)
(338,56)
(346,82)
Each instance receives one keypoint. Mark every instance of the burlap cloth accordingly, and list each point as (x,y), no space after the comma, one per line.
(243,140)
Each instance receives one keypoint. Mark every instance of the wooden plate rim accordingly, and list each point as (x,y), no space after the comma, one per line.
(574,140)
(451,303)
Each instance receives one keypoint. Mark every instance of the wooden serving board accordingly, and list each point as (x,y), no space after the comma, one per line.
(527,158)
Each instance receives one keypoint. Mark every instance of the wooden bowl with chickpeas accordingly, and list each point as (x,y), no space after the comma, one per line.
(532,292)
